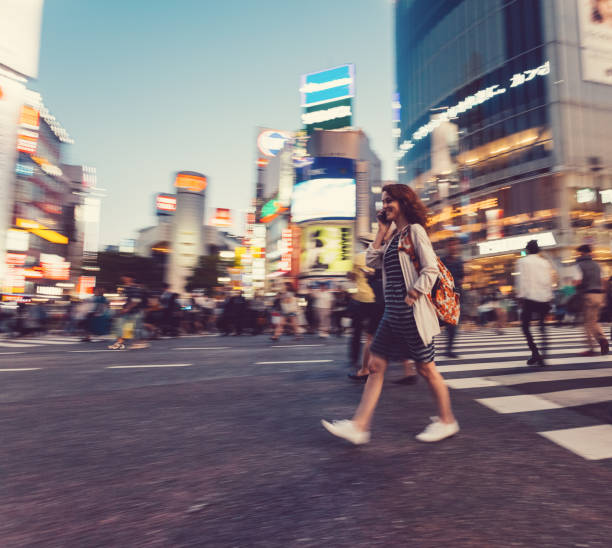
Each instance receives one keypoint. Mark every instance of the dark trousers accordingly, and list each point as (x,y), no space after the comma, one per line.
(539,311)
(451,332)
(361,314)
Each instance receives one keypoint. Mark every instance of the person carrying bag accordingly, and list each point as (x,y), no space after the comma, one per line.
(410,320)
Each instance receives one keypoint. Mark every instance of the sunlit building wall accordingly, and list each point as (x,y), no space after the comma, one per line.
(503,125)
(20,24)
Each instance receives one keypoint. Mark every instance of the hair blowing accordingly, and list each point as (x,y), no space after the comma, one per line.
(413,209)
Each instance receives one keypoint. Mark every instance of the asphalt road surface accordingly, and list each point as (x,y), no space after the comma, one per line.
(216,441)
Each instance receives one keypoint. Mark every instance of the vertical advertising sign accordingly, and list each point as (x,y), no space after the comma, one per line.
(11,97)
(286,246)
(326,97)
(362,179)
(595,19)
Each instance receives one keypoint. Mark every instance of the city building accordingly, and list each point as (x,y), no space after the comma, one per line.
(503,127)
(55,210)
(186,241)
(333,201)
(20,24)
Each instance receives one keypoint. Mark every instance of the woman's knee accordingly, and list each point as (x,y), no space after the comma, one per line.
(376,364)
(426,369)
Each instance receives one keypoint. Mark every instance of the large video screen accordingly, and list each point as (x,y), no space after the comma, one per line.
(326,249)
(319,199)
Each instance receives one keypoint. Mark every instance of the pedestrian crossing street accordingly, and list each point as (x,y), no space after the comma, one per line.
(45,340)
(571,391)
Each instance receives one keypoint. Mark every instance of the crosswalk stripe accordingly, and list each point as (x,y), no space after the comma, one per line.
(484,365)
(578,341)
(589,442)
(528,377)
(488,352)
(548,400)
(525,353)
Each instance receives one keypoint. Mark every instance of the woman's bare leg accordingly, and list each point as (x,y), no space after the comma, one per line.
(371,393)
(439,390)
(366,356)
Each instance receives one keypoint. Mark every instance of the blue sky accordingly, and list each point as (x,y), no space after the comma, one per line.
(150,87)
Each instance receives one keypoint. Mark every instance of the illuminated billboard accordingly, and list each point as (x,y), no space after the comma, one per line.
(329,192)
(595,19)
(222,218)
(319,199)
(326,249)
(190,181)
(165,204)
(270,210)
(328,85)
(327,98)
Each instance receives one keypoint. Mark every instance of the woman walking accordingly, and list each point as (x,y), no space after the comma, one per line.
(409,322)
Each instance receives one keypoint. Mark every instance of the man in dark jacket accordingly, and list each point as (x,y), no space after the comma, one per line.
(453,262)
(591,290)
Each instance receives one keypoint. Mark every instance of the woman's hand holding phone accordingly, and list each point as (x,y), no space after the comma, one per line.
(383,223)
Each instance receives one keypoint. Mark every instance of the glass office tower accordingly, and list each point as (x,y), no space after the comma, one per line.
(501,127)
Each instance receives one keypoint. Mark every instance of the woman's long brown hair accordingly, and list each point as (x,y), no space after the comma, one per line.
(413,209)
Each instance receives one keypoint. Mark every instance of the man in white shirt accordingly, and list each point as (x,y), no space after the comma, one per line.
(535,293)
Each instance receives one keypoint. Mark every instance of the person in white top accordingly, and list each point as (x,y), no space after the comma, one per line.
(535,279)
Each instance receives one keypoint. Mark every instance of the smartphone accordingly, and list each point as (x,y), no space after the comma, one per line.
(382,216)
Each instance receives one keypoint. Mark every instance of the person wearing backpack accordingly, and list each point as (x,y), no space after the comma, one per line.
(410,320)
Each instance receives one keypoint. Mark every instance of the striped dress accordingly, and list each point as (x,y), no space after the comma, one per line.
(397,337)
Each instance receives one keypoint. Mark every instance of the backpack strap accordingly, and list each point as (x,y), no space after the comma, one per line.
(411,252)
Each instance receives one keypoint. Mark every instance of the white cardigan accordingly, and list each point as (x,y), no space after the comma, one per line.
(424,312)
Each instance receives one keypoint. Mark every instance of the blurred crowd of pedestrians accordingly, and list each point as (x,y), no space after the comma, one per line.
(136,314)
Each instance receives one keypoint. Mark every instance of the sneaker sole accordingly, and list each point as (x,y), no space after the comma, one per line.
(332,430)
(441,439)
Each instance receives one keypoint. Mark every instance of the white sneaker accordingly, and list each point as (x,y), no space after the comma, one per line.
(347,430)
(438,430)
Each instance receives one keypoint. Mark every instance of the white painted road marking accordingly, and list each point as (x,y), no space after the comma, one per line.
(293,345)
(548,400)
(293,361)
(20,369)
(149,365)
(577,361)
(518,404)
(529,377)
(202,348)
(88,351)
(10,353)
(589,442)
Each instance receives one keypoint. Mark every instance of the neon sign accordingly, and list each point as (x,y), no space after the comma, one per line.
(470,102)
(469,209)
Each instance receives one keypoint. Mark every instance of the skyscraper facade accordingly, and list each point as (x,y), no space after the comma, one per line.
(503,106)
